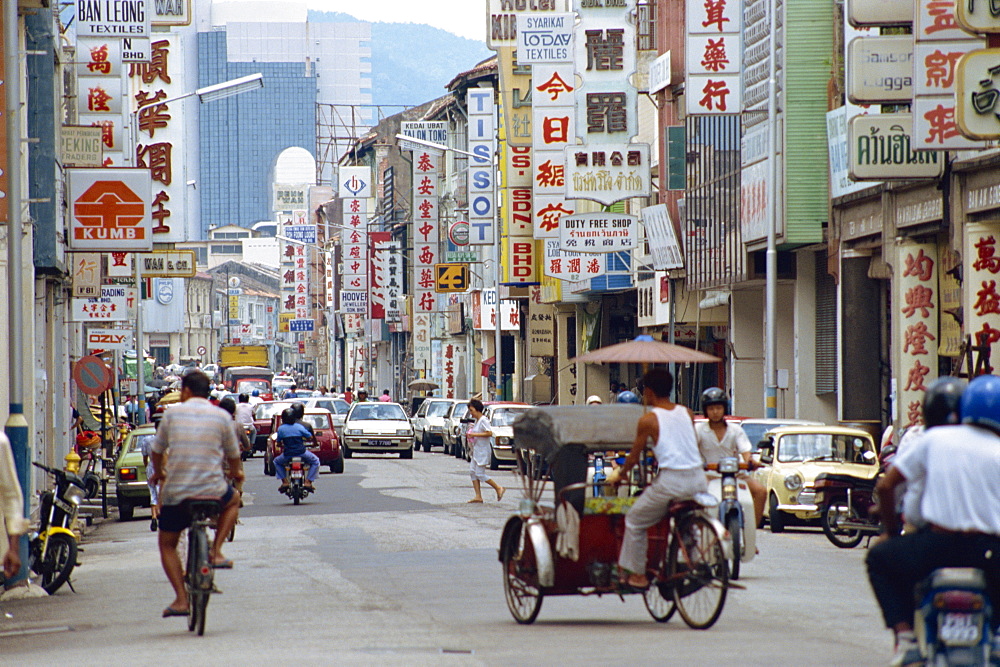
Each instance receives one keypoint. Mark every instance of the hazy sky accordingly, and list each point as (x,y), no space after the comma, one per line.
(462,17)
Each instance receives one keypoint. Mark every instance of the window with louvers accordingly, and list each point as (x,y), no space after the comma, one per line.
(826,328)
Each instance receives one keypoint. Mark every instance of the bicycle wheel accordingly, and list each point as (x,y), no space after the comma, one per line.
(60,559)
(520,580)
(201,604)
(699,571)
(735,528)
(833,514)
(199,577)
(659,599)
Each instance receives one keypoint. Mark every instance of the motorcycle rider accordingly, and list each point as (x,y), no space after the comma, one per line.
(292,435)
(959,466)
(244,417)
(718,439)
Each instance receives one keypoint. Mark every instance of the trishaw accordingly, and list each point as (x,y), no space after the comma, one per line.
(571,547)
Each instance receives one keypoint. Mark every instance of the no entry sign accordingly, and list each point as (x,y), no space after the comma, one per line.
(92,375)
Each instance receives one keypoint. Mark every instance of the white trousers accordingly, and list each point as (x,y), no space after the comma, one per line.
(651,506)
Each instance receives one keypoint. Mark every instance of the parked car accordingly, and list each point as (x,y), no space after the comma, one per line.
(263,419)
(501,415)
(453,428)
(211,370)
(756,428)
(792,456)
(428,422)
(378,427)
(326,445)
(130,472)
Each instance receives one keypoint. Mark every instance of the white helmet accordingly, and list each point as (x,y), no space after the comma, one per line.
(594,399)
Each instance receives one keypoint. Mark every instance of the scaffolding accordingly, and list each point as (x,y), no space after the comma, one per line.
(338,128)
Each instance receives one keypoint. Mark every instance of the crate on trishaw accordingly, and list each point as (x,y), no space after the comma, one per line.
(570,545)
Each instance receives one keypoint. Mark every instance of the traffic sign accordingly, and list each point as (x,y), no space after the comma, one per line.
(92,375)
(451,277)
(202,349)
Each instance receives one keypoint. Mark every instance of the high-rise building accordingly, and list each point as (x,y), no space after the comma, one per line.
(242,137)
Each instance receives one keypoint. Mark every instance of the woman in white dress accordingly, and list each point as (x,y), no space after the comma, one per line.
(479,435)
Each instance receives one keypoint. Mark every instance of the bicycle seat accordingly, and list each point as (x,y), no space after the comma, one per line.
(207,505)
(681,506)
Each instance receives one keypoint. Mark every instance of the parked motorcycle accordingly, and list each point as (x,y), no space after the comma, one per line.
(953,619)
(847,508)
(734,506)
(53,547)
(297,470)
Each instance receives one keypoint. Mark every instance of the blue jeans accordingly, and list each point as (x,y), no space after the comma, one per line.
(281,459)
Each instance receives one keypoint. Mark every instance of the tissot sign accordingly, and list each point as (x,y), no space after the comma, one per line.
(109,209)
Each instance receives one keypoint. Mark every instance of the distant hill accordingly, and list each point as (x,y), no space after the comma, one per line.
(411,62)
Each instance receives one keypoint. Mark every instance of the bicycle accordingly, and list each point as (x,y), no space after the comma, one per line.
(199,577)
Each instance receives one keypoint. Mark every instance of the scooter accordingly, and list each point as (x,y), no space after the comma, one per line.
(847,506)
(297,470)
(734,506)
(953,619)
(53,548)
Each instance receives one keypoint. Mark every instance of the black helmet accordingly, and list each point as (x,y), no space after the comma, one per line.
(714,396)
(288,416)
(298,408)
(942,402)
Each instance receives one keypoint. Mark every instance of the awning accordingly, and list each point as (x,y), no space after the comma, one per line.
(486,366)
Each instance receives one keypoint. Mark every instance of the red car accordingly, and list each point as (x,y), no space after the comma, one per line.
(263,415)
(326,445)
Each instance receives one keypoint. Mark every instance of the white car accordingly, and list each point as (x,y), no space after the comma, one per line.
(501,417)
(210,370)
(453,428)
(338,407)
(429,422)
(377,428)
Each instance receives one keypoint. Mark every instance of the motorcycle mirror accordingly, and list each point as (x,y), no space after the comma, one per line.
(869,456)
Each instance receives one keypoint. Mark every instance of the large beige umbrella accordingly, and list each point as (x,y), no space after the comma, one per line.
(421,384)
(645,350)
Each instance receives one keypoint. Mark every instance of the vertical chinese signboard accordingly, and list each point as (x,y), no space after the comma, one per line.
(295,269)
(100,98)
(355,189)
(917,328)
(939,44)
(714,54)
(160,128)
(982,301)
(426,227)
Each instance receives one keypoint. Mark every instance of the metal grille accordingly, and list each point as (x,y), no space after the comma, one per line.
(826,328)
(713,245)
(646,26)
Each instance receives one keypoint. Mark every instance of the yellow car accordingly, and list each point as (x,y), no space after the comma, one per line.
(792,456)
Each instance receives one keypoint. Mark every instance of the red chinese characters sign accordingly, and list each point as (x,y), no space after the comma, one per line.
(982,287)
(714,52)
(917,326)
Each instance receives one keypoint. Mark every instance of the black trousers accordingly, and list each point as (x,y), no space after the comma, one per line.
(897,565)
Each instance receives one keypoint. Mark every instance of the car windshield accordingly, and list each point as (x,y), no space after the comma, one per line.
(340,406)
(460,411)
(140,441)
(755,432)
(824,446)
(506,416)
(268,410)
(247,386)
(377,412)
(317,421)
(438,409)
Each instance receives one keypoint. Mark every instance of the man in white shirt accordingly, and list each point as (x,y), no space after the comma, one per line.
(718,439)
(959,467)
(244,417)
(12,521)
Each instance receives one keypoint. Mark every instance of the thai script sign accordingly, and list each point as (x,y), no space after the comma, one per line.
(881,149)
(607,173)
(598,232)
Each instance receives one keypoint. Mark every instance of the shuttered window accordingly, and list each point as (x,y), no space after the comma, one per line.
(826,328)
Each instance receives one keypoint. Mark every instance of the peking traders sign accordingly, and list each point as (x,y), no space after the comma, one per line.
(110,209)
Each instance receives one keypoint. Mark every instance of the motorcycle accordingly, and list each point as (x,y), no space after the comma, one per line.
(53,548)
(297,490)
(847,505)
(736,504)
(953,619)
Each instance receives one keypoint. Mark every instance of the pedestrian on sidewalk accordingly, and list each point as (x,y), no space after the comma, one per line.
(480,434)
(12,521)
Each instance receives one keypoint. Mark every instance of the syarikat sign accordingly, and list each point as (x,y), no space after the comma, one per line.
(110,209)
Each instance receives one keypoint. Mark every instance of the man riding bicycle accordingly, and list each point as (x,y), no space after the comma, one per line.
(198,438)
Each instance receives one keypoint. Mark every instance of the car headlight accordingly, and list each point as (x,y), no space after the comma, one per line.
(793,481)
(403,431)
(502,440)
(353,431)
(729,489)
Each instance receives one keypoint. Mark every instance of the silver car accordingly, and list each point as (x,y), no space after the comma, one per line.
(377,428)
(501,417)
(429,422)
(453,428)
(338,407)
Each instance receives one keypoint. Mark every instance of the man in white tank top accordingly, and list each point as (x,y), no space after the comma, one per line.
(670,428)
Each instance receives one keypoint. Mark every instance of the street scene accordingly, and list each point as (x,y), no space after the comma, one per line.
(500,331)
(388,564)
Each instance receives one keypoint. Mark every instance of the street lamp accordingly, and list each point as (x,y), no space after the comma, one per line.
(211,93)
(497,339)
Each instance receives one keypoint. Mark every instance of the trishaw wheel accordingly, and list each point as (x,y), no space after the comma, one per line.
(699,571)
(520,580)
(659,599)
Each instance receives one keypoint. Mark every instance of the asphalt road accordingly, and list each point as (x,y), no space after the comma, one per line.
(388,564)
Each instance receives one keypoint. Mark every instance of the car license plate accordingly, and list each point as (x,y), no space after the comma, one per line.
(959,628)
(380,443)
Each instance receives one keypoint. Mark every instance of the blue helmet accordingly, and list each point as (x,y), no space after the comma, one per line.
(981,403)
(255,392)
(628,397)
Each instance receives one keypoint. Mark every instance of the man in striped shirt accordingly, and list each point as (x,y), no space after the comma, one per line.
(195,438)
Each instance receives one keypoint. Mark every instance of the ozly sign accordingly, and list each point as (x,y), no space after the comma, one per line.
(109,339)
